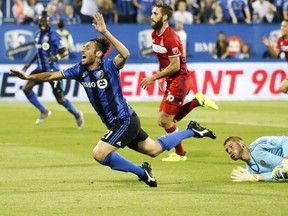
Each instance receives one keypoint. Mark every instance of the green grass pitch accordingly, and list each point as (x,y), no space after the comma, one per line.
(48,169)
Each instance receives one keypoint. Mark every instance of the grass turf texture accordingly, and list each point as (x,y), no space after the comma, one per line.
(48,169)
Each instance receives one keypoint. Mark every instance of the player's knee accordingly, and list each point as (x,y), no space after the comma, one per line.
(162,123)
(154,153)
(60,101)
(96,156)
(26,90)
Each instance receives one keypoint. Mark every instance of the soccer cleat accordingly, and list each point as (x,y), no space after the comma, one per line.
(43,116)
(148,177)
(174,157)
(80,121)
(205,102)
(200,131)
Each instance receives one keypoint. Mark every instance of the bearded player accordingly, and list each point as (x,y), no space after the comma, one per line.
(172,67)
(281,46)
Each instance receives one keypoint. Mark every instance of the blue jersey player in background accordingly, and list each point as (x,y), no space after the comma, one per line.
(101,81)
(266,158)
(50,49)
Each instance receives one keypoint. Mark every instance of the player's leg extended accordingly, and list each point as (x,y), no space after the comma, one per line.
(199,100)
(59,95)
(169,141)
(120,135)
(168,107)
(31,96)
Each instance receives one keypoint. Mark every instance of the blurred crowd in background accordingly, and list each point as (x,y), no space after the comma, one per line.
(26,12)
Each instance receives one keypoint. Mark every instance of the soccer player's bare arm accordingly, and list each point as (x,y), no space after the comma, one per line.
(45,76)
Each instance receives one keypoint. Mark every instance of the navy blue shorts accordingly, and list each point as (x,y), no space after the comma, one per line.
(57,85)
(125,132)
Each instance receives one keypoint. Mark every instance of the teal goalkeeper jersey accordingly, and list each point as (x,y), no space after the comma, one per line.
(266,153)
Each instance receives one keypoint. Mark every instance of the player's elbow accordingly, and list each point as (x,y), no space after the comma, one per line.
(126,55)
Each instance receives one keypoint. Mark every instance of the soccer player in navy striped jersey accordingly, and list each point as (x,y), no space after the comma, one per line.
(50,49)
(101,80)
(266,158)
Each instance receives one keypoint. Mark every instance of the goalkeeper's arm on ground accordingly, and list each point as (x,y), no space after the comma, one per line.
(242,175)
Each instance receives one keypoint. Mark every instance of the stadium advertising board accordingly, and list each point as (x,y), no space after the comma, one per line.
(226,81)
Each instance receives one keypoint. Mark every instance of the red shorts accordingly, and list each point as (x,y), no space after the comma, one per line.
(175,94)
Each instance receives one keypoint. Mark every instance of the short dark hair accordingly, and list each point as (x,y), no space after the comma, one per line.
(233,139)
(102,44)
(44,16)
(166,9)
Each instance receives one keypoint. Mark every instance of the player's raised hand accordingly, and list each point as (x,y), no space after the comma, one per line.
(19,74)
(99,23)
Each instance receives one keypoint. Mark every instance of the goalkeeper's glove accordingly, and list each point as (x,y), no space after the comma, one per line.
(280,172)
(240,175)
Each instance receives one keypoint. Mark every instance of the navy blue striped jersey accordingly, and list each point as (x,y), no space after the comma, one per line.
(103,88)
(46,43)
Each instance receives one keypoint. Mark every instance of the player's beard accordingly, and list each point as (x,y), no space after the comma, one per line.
(157,25)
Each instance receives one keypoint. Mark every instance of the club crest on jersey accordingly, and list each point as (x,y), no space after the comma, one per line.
(100,74)
(175,50)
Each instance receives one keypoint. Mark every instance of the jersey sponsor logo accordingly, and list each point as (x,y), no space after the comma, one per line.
(18,44)
(88,84)
(159,49)
(102,84)
(45,46)
(262,162)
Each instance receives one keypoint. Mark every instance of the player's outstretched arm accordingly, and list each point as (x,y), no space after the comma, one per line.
(45,76)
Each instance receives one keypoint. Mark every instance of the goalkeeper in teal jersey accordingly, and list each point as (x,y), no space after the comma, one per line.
(266,158)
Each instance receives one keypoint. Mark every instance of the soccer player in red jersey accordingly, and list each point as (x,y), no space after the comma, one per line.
(281,46)
(172,66)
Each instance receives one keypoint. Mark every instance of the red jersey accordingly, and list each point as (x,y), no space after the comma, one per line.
(282,45)
(168,45)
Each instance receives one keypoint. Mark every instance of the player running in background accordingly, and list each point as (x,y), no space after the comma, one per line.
(101,81)
(266,158)
(281,46)
(50,49)
(172,66)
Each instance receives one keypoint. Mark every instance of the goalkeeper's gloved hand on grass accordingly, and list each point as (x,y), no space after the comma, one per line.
(241,175)
(280,172)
